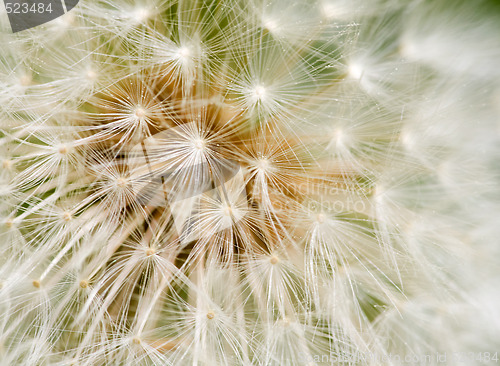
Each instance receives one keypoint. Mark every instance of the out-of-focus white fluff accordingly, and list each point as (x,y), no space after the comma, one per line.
(359,228)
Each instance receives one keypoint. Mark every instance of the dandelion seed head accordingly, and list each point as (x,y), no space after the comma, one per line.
(408,140)
(271,25)
(259,93)
(379,194)
(25,80)
(263,164)
(284,322)
(245,182)
(321,218)
(65,21)
(121,182)
(67,216)
(140,15)
(9,223)
(199,144)
(140,112)
(339,136)
(355,71)
(7,164)
(329,10)
(91,75)
(339,9)
(408,49)
(63,149)
(227,210)
(184,53)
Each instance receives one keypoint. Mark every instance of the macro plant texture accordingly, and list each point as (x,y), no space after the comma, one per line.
(251,182)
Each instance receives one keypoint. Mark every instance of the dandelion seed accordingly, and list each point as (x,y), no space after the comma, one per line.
(67,216)
(7,164)
(259,92)
(25,80)
(199,144)
(355,71)
(321,218)
(9,223)
(184,53)
(271,25)
(91,75)
(63,149)
(263,165)
(121,182)
(140,15)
